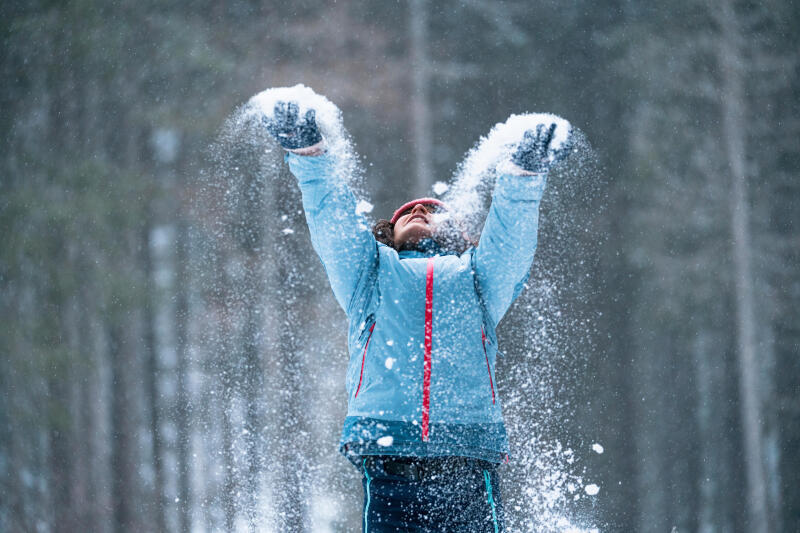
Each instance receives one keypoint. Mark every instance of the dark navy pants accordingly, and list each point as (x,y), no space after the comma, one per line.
(430,495)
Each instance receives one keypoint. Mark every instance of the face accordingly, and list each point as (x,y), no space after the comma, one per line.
(414,225)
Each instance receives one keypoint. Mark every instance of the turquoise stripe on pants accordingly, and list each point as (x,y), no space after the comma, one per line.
(366,495)
(488,479)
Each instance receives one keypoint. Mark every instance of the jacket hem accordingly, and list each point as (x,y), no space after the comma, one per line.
(371,436)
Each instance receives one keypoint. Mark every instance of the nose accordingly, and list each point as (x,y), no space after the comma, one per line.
(420,208)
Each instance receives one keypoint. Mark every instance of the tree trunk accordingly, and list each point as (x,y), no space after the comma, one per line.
(61,459)
(420,108)
(650,434)
(94,405)
(734,130)
(124,460)
(182,353)
(153,375)
(710,415)
(291,423)
(230,483)
(253,383)
(290,456)
(222,357)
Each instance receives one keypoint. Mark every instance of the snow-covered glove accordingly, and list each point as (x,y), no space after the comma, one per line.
(290,131)
(534,153)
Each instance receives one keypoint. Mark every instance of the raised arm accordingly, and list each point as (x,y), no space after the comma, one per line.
(508,241)
(340,236)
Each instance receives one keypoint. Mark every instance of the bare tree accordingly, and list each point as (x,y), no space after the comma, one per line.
(182,400)
(124,459)
(420,108)
(734,131)
(153,372)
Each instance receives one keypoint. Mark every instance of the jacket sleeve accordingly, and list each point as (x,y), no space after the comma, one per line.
(503,258)
(341,237)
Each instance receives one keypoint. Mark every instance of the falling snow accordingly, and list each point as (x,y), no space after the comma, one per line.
(542,334)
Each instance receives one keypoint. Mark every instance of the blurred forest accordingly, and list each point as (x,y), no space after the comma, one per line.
(172,359)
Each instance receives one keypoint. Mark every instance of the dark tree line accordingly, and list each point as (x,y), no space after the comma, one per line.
(171,357)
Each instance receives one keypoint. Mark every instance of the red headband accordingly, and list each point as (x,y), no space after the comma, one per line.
(408,205)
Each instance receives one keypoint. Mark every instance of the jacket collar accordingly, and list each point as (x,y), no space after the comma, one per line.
(424,248)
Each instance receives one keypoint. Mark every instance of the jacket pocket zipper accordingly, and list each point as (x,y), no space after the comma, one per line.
(488,368)
(363,359)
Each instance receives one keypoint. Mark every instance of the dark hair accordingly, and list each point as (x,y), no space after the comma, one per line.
(383,230)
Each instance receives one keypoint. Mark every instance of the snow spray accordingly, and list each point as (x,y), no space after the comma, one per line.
(549,332)
(466,197)
(329,120)
(546,336)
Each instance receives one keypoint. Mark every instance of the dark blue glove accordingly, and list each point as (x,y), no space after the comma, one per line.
(534,153)
(290,132)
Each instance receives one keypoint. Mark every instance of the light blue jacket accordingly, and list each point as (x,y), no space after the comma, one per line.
(422,338)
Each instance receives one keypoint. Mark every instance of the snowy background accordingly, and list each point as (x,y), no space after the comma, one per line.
(172,359)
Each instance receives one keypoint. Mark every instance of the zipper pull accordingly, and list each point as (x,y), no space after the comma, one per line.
(365,325)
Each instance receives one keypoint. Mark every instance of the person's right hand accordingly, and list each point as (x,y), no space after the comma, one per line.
(289,130)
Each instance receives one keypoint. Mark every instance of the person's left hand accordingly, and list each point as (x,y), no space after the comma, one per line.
(534,153)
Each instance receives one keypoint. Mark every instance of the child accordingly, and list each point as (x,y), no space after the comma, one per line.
(424,423)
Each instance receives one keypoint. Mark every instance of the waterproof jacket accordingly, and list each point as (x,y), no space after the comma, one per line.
(422,342)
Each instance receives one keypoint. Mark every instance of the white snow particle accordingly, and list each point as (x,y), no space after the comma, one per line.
(440,187)
(390,342)
(591,489)
(287,231)
(385,441)
(389,362)
(363,206)
(598,448)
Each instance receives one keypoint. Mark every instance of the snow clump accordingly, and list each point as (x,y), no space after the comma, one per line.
(329,119)
(477,171)
(328,116)
(440,188)
(363,206)
(385,441)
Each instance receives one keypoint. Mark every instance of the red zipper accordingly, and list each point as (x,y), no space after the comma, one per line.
(426,379)
(488,368)
(364,358)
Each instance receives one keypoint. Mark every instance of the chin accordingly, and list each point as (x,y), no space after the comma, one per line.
(415,237)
